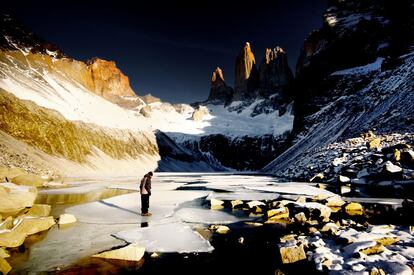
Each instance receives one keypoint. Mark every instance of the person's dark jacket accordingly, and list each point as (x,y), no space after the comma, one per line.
(146,181)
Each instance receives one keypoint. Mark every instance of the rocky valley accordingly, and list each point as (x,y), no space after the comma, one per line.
(306,170)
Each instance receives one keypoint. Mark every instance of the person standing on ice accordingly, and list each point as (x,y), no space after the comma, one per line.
(145,189)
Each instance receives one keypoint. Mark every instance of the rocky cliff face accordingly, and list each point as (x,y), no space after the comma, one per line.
(275,76)
(107,79)
(354,75)
(219,91)
(246,74)
(354,33)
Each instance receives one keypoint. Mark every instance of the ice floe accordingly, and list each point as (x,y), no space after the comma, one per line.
(180,238)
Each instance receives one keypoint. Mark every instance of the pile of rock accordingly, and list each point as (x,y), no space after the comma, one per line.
(20,217)
(380,160)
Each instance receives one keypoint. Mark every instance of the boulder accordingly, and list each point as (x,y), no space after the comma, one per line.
(374,143)
(391,168)
(252,204)
(300,217)
(375,249)
(335,201)
(354,209)
(28,179)
(236,203)
(67,219)
(32,225)
(278,214)
(256,206)
(220,229)
(344,179)
(11,238)
(4,266)
(330,228)
(132,252)
(39,210)
(291,253)
(397,155)
(316,210)
(216,204)
(15,198)
(377,271)
(387,240)
(10,173)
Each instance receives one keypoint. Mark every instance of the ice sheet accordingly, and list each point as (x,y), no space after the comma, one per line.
(170,237)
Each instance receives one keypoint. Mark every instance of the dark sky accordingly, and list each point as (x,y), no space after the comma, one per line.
(170,48)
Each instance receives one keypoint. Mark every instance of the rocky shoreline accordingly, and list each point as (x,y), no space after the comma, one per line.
(288,228)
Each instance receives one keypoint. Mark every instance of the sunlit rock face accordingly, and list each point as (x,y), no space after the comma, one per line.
(48,131)
(246,74)
(275,76)
(107,79)
(219,91)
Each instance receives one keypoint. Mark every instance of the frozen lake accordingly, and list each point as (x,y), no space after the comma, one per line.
(179,204)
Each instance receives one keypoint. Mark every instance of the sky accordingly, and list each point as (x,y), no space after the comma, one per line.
(171,48)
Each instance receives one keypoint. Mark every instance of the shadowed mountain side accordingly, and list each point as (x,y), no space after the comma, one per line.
(176,158)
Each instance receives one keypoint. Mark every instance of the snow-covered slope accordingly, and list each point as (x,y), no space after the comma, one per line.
(39,78)
(384,103)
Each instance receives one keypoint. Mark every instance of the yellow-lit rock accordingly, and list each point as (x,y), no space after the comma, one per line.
(376,249)
(10,173)
(39,210)
(236,203)
(387,240)
(15,198)
(278,214)
(67,219)
(4,266)
(374,143)
(216,204)
(28,179)
(132,252)
(32,225)
(354,209)
(9,238)
(292,253)
(220,229)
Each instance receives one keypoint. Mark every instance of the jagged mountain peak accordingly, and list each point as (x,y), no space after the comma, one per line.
(246,75)
(219,91)
(217,77)
(273,53)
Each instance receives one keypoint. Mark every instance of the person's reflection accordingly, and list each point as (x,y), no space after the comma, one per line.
(144,224)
